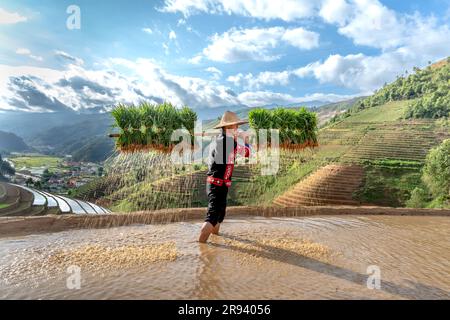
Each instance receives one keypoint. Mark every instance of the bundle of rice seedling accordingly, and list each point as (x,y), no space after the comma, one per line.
(298,128)
(150,127)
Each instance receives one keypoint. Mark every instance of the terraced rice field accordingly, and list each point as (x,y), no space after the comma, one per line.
(368,138)
(400,141)
(332,184)
(177,191)
(23,201)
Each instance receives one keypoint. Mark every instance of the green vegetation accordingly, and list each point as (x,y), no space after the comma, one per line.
(298,128)
(294,166)
(435,189)
(85,137)
(52,163)
(150,126)
(436,173)
(427,90)
(389,112)
(9,142)
(97,149)
(264,189)
(5,169)
(394,163)
(4,205)
(411,184)
(393,151)
(388,185)
(400,170)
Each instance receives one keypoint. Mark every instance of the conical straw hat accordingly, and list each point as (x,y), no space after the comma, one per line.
(228,119)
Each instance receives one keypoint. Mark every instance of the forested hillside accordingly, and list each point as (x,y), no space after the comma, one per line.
(428,91)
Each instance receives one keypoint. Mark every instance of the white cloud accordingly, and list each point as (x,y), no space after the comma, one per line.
(43,89)
(287,10)
(23,51)
(181,22)
(172,35)
(27,52)
(265,98)
(301,38)
(366,22)
(75,87)
(68,57)
(256,44)
(335,11)
(166,48)
(216,73)
(7,17)
(266,78)
(373,24)
(147,30)
(195,60)
(364,73)
(415,41)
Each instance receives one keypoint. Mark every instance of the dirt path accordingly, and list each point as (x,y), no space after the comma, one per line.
(20,226)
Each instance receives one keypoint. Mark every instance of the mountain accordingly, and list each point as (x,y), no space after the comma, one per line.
(27,124)
(85,140)
(327,112)
(84,135)
(213,113)
(10,142)
(97,149)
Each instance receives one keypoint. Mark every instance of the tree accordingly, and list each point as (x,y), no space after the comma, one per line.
(38,185)
(436,172)
(29,182)
(5,168)
(46,175)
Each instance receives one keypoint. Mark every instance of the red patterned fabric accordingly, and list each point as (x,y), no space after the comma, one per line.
(218,182)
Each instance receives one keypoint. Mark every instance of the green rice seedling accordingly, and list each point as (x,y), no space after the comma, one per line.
(148,115)
(188,119)
(137,136)
(167,120)
(260,119)
(122,121)
(298,128)
(148,126)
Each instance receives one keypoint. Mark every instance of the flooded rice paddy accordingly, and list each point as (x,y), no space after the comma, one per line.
(254,258)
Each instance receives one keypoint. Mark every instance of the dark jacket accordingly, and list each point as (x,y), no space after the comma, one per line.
(222,154)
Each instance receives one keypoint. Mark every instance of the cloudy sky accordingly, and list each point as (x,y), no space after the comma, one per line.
(210,53)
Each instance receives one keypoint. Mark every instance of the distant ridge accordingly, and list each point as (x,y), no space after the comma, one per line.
(10,142)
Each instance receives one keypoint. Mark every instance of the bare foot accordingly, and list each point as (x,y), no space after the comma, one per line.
(206,231)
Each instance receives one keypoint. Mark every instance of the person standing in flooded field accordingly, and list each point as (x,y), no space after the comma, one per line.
(222,155)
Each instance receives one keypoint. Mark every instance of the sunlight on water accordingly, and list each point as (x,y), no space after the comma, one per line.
(254,258)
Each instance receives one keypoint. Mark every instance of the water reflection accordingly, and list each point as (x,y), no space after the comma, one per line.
(257,258)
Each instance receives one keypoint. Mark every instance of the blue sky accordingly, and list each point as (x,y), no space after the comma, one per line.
(211,53)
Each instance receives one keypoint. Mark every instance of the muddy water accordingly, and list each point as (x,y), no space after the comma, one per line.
(255,258)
